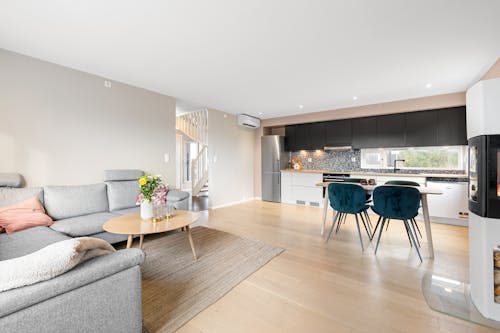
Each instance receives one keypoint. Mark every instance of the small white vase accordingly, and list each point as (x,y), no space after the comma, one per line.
(146,210)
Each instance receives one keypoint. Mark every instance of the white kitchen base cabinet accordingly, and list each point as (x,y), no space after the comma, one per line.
(449,208)
(300,188)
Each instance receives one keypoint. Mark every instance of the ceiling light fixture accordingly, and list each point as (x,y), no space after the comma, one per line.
(428,85)
(301,106)
(354,98)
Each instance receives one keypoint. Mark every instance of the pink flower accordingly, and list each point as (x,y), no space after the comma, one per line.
(140,198)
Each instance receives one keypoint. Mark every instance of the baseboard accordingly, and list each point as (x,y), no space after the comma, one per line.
(234,203)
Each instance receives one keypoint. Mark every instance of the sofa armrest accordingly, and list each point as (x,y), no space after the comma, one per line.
(88,272)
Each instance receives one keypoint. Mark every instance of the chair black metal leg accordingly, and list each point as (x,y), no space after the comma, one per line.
(408,234)
(376,226)
(369,223)
(335,218)
(416,225)
(368,232)
(341,216)
(413,239)
(414,232)
(359,233)
(369,220)
(380,233)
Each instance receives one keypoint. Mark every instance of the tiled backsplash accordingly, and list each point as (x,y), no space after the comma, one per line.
(348,160)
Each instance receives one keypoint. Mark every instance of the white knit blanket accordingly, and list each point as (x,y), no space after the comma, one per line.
(50,261)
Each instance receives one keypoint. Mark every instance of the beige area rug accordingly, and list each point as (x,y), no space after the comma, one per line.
(175,287)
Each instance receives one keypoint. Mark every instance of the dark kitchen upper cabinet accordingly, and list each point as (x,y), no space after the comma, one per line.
(391,130)
(338,133)
(442,127)
(310,136)
(421,128)
(451,127)
(364,132)
(290,142)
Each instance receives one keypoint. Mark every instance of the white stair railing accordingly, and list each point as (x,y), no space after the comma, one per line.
(194,125)
(199,171)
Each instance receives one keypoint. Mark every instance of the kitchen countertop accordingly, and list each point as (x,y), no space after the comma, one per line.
(363,173)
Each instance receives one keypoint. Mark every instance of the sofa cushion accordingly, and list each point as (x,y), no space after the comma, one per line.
(90,271)
(124,174)
(175,195)
(82,225)
(27,241)
(62,202)
(110,237)
(122,194)
(131,210)
(23,215)
(10,196)
(11,179)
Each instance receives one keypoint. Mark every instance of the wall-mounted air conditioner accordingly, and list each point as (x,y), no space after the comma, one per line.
(247,121)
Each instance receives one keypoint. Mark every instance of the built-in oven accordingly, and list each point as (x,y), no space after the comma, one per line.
(484,175)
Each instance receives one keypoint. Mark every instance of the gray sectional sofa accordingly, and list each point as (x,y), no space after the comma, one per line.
(100,295)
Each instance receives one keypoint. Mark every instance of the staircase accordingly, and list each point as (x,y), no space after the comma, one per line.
(199,171)
(194,125)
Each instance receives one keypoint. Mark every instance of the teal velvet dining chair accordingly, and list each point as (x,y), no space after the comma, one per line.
(397,203)
(345,199)
(413,221)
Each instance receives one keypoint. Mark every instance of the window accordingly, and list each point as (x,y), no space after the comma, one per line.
(440,158)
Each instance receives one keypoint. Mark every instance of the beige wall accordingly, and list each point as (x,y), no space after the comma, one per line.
(62,126)
(493,72)
(231,151)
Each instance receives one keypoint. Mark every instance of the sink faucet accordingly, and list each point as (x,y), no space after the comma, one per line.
(395,163)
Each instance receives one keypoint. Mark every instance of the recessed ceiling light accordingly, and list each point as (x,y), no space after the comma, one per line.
(301,106)
(428,85)
(354,98)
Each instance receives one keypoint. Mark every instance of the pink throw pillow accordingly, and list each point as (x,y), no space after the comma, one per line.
(24,215)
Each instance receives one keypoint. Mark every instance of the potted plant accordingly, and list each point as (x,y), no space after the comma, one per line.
(151,191)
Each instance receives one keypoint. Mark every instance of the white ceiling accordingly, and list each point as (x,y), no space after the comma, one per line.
(266,56)
(183,106)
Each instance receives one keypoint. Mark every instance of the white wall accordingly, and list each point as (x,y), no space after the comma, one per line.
(62,126)
(231,176)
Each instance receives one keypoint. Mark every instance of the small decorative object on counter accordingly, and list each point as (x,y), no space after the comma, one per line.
(152,196)
(296,163)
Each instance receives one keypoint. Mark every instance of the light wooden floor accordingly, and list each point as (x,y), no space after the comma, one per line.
(331,287)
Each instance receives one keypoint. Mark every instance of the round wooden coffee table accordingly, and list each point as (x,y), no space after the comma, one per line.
(132,224)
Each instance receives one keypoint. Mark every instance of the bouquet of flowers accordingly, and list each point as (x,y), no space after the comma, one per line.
(152,190)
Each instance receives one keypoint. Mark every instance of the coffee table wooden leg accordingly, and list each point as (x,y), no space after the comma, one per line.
(188,230)
(129,242)
(141,240)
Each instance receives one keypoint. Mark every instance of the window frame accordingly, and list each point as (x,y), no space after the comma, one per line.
(462,160)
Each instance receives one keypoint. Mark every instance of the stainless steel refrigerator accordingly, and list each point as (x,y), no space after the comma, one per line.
(274,159)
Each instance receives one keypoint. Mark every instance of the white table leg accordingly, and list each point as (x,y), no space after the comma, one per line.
(129,241)
(427,220)
(325,211)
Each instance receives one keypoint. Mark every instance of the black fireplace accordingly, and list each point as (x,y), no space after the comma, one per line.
(484,175)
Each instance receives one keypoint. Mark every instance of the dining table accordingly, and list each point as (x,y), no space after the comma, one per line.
(424,192)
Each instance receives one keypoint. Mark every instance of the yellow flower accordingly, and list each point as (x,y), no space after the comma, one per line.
(142,181)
